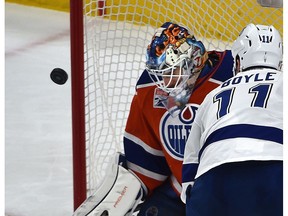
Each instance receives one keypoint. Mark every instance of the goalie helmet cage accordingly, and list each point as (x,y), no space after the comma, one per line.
(108,43)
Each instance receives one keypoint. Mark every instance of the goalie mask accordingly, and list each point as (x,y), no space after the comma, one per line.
(174,57)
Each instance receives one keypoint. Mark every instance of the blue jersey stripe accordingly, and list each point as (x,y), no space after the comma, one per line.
(244,130)
(144,78)
(189,172)
(144,159)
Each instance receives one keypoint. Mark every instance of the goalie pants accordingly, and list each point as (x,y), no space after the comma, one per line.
(250,188)
(163,202)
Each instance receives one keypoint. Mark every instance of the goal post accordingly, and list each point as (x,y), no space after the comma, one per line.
(78,101)
(108,44)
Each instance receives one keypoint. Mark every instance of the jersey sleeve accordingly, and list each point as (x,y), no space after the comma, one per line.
(190,161)
(142,148)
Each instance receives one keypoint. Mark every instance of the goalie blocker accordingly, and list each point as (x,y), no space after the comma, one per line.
(119,194)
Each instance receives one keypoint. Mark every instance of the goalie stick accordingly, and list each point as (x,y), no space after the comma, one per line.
(119,194)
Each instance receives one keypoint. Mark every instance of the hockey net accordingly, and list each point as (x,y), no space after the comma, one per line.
(108,55)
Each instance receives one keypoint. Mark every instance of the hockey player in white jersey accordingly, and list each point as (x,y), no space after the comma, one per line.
(233,164)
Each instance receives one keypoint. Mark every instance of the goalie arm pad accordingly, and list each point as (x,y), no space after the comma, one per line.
(119,195)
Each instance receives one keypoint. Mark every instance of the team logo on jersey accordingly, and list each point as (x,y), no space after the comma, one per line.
(174,130)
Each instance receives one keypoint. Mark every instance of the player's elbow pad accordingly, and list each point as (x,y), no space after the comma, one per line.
(119,195)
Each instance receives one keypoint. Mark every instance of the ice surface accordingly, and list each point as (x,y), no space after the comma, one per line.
(38,150)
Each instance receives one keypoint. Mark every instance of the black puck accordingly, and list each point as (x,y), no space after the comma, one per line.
(59,76)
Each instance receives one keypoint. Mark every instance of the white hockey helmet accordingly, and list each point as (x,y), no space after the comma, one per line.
(258,46)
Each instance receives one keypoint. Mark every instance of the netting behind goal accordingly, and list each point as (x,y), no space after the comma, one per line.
(108,55)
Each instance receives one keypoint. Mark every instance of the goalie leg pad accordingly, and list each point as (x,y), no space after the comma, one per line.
(118,195)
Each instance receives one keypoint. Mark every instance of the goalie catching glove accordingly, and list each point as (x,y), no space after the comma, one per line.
(119,194)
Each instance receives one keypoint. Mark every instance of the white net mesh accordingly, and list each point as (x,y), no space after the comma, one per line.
(115,45)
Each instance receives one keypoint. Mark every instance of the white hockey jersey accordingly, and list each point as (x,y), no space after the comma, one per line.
(238,121)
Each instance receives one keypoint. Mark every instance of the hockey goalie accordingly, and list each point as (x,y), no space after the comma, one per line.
(119,194)
(179,73)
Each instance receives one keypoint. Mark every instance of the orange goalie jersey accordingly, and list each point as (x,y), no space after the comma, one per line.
(154,140)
